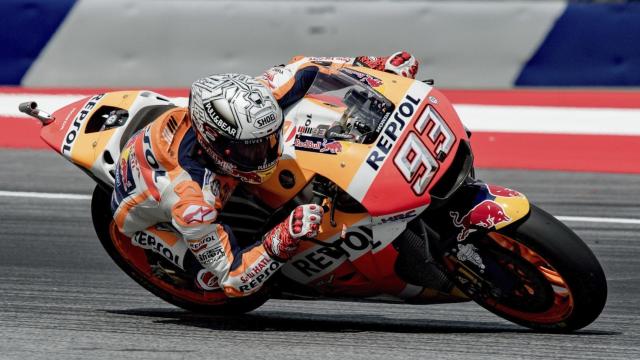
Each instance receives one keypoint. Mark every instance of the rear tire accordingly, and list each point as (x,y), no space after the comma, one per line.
(102,219)
(573,290)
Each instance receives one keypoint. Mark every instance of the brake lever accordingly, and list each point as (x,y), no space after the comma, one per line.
(318,199)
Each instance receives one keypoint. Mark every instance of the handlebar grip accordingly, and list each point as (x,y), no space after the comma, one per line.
(318,200)
(27,107)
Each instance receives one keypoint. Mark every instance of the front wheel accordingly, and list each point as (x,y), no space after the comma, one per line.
(536,273)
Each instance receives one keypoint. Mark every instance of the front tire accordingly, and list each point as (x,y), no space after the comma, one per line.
(538,274)
(203,302)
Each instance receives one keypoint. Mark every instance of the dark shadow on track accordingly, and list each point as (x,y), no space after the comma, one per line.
(295,321)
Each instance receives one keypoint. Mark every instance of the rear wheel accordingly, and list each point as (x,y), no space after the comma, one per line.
(537,273)
(135,263)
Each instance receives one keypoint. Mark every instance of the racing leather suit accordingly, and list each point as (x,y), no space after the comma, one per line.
(162,183)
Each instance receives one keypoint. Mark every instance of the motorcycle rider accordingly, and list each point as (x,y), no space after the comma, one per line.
(181,169)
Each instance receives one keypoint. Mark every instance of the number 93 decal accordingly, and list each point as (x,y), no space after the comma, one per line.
(414,160)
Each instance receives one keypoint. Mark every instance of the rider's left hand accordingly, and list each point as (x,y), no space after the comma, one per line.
(402,63)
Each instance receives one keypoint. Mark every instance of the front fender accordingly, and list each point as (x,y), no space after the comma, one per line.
(476,208)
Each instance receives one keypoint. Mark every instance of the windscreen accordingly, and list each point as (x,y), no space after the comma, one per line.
(365,108)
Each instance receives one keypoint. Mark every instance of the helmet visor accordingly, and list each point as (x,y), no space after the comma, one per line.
(251,154)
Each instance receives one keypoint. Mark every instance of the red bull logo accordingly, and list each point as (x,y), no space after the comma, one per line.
(502,191)
(364,78)
(486,214)
(332,147)
(124,174)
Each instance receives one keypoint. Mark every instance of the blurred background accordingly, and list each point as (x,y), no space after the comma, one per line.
(558,76)
(462,44)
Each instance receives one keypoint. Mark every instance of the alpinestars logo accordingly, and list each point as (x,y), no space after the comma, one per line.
(199,214)
(275,242)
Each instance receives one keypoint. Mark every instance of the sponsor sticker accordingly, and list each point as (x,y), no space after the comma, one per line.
(392,130)
(486,214)
(215,188)
(266,121)
(207,280)
(219,121)
(468,253)
(319,131)
(197,214)
(314,144)
(211,256)
(399,217)
(496,190)
(321,260)
(122,176)
(73,132)
(259,273)
(199,245)
(335,59)
(150,242)
(366,79)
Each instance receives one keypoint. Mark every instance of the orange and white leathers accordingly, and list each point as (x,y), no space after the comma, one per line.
(160,180)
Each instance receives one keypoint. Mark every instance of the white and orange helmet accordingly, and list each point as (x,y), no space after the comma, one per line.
(238,123)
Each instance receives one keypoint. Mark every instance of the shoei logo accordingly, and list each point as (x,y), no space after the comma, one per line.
(266,121)
(220,122)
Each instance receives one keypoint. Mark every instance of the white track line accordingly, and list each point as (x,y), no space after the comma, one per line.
(41,195)
(549,119)
(599,220)
(63,196)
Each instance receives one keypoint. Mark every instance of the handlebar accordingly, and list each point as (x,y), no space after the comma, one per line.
(31,108)
(27,107)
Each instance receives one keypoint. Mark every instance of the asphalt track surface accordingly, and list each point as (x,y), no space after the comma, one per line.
(62,298)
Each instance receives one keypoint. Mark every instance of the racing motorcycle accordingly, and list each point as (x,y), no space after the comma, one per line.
(406,219)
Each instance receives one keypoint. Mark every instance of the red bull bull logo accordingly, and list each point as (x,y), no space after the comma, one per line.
(486,214)
(332,147)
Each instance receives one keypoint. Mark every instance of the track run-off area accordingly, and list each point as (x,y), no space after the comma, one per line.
(61,297)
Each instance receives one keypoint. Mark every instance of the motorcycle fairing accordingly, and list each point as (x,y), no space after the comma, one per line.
(355,248)
(77,134)
(475,209)
(390,206)
(416,147)
(420,137)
